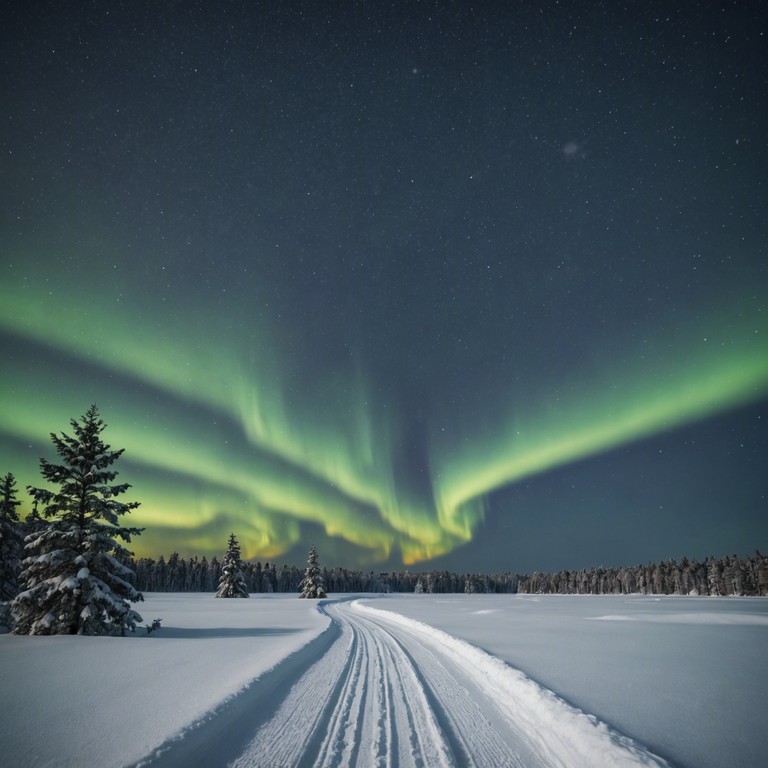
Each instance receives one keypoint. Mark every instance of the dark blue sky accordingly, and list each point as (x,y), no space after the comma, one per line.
(485,284)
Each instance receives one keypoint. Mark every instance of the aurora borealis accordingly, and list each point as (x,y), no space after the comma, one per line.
(482,288)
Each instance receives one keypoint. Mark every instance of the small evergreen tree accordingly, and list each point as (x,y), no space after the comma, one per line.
(232,581)
(312,584)
(11,540)
(34,521)
(74,581)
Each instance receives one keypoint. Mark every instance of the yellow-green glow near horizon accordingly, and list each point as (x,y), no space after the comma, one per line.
(330,463)
(281,473)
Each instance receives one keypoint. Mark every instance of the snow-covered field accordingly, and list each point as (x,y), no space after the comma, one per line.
(102,701)
(365,683)
(686,677)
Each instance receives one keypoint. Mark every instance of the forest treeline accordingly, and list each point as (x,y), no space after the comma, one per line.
(723,576)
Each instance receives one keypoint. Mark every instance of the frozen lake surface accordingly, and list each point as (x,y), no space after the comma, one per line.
(274,678)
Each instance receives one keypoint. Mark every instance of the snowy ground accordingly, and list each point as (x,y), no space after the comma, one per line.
(98,701)
(686,677)
(359,685)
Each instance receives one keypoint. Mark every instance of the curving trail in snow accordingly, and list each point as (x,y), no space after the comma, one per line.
(382,690)
(393,692)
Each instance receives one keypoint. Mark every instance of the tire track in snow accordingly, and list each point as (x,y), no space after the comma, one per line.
(392,692)
(376,715)
(380,690)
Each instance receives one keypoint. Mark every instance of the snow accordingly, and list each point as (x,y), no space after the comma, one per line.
(109,701)
(588,681)
(554,732)
(383,690)
(685,677)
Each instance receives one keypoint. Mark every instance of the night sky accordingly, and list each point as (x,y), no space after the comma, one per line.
(476,286)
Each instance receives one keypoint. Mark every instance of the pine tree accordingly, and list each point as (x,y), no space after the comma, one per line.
(761,574)
(312,584)
(11,540)
(34,521)
(74,582)
(232,581)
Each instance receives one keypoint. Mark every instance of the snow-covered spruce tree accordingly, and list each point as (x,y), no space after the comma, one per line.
(11,539)
(73,580)
(312,584)
(232,581)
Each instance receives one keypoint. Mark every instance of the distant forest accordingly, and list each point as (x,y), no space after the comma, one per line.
(736,576)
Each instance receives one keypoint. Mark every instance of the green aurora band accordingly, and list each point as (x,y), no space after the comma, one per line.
(261,458)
